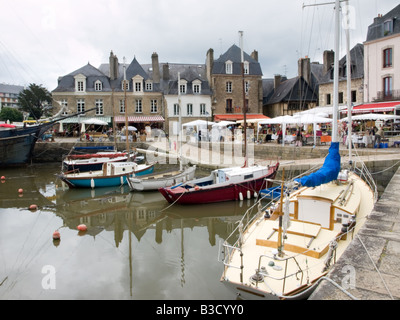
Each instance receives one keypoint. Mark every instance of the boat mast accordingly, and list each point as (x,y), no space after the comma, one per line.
(280,217)
(126,113)
(336,73)
(244,98)
(180,122)
(348,76)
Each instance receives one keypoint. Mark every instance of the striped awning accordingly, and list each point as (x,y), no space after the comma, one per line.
(137,119)
(81,118)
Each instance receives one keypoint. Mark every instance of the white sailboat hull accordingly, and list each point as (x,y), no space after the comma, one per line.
(157,180)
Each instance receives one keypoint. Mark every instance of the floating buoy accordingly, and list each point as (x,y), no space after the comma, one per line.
(33,207)
(3,178)
(20,190)
(196,188)
(56,235)
(82,227)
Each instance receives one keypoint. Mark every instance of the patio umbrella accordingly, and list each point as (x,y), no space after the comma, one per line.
(372,116)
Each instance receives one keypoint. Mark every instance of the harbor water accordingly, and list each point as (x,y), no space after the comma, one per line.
(136,245)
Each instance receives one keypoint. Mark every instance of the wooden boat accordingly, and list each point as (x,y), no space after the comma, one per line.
(288,246)
(17,144)
(112,174)
(159,180)
(285,250)
(225,184)
(94,161)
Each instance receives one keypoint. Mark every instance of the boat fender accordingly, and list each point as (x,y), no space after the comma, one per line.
(56,235)
(33,207)
(240,196)
(255,194)
(196,188)
(122,180)
(82,227)
(248,194)
(92,183)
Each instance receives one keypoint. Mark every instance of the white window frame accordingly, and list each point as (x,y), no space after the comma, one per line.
(153,106)
(138,106)
(122,106)
(176,109)
(127,85)
(183,87)
(98,85)
(229,67)
(149,86)
(80,106)
(203,110)
(196,87)
(99,107)
(246,67)
(228,87)
(189,109)
(64,104)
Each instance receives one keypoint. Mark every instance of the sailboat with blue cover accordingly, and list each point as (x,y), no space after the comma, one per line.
(288,247)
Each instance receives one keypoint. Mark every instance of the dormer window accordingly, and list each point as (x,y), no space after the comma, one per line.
(196,86)
(387,27)
(98,86)
(228,67)
(80,83)
(182,87)
(126,85)
(149,86)
(246,66)
(137,84)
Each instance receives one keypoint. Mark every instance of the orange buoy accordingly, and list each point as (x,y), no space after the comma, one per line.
(56,235)
(20,190)
(33,207)
(82,227)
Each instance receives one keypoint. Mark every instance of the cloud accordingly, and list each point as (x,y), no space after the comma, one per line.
(46,39)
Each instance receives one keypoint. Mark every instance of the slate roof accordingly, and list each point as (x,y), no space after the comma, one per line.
(234,54)
(357,62)
(376,30)
(289,90)
(10,88)
(92,74)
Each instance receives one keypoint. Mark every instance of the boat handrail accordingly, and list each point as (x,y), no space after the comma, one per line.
(285,275)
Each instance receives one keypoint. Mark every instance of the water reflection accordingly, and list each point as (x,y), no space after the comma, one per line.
(137,246)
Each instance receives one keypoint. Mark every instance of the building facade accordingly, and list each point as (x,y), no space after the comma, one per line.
(382,58)
(9,95)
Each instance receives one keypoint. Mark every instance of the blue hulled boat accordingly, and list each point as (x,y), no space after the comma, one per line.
(113,174)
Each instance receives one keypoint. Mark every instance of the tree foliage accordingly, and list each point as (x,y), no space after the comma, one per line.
(35,100)
(11,114)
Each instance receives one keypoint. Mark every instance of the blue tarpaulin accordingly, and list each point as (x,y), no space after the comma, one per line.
(328,172)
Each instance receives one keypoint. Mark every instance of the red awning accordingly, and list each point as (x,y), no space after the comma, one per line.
(238,116)
(376,107)
(137,119)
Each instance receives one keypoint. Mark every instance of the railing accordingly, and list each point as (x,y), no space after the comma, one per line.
(387,96)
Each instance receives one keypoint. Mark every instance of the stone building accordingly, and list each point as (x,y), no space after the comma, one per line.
(284,96)
(357,78)
(225,76)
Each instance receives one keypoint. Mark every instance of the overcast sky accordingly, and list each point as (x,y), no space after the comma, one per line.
(41,40)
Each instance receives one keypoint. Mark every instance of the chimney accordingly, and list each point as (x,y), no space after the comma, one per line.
(277,81)
(254,55)
(304,69)
(209,64)
(166,72)
(329,57)
(156,67)
(113,66)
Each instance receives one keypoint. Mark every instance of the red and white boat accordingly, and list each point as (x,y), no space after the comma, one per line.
(226,184)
